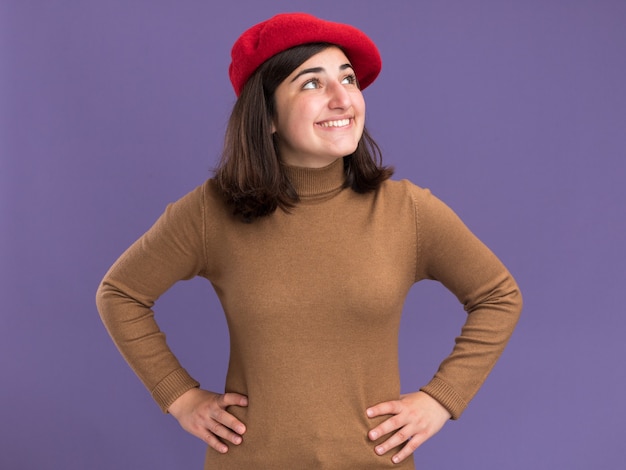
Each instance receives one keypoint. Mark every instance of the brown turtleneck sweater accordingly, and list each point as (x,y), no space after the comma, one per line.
(313,300)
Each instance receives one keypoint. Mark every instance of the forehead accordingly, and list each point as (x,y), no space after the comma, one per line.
(329,58)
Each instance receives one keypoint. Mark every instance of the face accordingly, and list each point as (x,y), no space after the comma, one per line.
(320,111)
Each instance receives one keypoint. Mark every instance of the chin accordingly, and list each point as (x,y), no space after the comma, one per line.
(348,150)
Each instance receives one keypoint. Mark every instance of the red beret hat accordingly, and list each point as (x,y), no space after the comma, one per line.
(287,30)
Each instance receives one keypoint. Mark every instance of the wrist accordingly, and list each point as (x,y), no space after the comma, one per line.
(180,403)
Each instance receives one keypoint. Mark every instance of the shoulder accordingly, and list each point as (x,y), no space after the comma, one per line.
(405,190)
(429,211)
(194,210)
(202,197)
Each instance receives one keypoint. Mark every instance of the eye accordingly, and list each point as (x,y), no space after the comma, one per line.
(311,84)
(349,80)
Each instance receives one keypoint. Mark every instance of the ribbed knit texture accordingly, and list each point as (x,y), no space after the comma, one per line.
(316,183)
(313,300)
(171,387)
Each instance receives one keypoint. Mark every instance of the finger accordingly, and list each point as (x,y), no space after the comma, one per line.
(221,431)
(387,426)
(385,408)
(395,440)
(214,442)
(232,399)
(227,420)
(410,447)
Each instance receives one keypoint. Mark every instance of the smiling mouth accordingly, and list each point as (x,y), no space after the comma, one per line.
(337,123)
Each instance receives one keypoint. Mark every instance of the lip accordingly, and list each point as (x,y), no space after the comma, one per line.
(339,122)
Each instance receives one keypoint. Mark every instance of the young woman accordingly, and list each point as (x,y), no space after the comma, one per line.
(312,250)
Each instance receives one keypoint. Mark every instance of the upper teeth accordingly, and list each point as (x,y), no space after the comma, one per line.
(339,123)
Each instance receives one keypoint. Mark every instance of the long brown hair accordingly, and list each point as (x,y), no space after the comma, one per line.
(250,174)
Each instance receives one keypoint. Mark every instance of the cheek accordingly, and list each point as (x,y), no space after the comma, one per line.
(300,118)
(307,109)
(290,128)
(358,103)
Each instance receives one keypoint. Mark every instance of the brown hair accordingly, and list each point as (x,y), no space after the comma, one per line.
(250,174)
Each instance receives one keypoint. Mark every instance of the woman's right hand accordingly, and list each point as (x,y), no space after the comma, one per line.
(203,414)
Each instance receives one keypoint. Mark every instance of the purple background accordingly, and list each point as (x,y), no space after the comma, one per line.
(514,113)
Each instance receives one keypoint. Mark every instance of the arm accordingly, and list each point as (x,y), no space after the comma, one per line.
(449,253)
(173,249)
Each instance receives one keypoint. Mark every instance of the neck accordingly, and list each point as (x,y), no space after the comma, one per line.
(316,182)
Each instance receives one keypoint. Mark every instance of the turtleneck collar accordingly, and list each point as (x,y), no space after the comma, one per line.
(314,183)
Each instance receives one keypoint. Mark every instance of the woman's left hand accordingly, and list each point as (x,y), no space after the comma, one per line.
(416,418)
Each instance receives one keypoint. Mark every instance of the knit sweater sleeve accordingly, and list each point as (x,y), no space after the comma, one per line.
(172,249)
(449,253)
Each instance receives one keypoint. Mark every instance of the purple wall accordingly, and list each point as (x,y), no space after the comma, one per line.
(514,113)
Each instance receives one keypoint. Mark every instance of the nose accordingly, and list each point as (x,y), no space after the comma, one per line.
(339,98)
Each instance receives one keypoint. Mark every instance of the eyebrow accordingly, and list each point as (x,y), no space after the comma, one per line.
(318,70)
